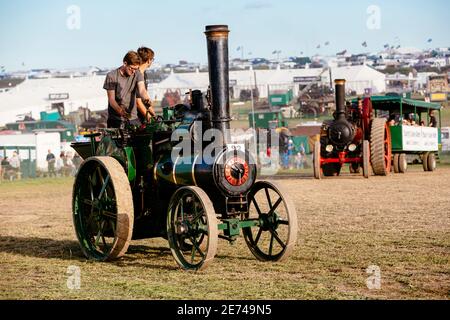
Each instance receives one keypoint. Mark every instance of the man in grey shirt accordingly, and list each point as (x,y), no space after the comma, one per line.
(122,85)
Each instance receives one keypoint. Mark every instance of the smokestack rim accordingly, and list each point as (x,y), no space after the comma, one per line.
(218,30)
(339,82)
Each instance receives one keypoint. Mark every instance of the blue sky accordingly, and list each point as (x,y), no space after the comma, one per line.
(35,32)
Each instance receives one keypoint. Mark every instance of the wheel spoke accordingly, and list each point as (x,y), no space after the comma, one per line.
(275,234)
(258,236)
(98,170)
(268,197)
(104,241)
(271,244)
(195,244)
(285,222)
(105,183)
(275,206)
(256,206)
(198,216)
(88,202)
(90,188)
(182,208)
(193,254)
(109,214)
(99,234)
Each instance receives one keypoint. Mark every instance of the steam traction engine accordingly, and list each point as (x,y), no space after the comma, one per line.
(355,137)
(136,182)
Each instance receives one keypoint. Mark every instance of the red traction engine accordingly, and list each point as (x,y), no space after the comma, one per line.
(355,137)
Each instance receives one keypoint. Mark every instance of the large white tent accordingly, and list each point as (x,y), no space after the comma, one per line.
(33,96)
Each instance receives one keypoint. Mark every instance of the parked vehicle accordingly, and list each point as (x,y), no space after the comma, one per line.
(415,130)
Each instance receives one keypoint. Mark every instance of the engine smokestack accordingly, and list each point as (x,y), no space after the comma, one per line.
(340,98)
(217,42)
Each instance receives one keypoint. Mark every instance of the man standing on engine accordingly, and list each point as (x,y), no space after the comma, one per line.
(122,86)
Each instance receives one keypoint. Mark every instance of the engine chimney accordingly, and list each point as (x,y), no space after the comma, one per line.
(340,98)
(217,42)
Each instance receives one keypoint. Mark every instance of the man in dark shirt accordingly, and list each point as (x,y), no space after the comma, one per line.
(51,163)
(122,86)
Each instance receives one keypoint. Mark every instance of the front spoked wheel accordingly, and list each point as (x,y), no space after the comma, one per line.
(192,228)
(274,237)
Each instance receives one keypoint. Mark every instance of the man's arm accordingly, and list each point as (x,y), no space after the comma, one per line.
(143,109)
(113,103)
(143,92)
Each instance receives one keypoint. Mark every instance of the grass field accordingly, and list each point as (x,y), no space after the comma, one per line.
(399,223)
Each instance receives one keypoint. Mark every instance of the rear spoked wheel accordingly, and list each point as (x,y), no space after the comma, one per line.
(274,237)
(192,228)
(102,209)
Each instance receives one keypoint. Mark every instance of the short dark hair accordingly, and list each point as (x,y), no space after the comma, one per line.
(132,58)
(145,54)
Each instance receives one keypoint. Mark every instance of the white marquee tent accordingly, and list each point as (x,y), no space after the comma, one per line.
(33,96)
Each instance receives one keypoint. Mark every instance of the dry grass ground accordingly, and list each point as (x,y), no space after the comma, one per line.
(400,223)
